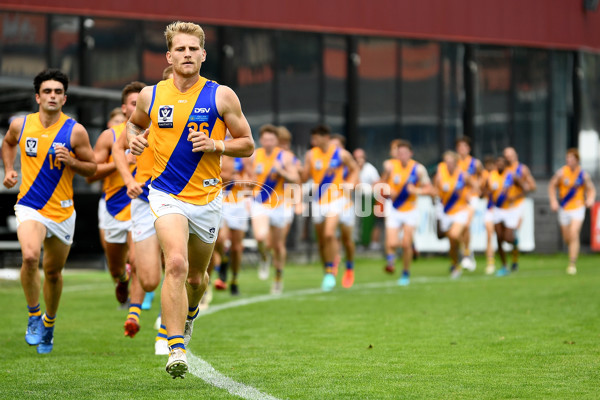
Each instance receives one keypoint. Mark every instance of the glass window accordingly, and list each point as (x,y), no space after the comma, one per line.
(299,67)
(453,93)
(421,74)
(23,44)
(335,71)
(377,96)
(64,49)
(492,99)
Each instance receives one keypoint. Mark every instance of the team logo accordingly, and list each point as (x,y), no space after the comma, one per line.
(67,237)
(165,116)
(211,232)
(318,165)
(396,179)
(566,182)
(445,187)
(495,186)
(259,169)
(31,146)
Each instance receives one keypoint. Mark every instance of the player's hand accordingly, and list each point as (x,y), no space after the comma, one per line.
(10,179)
(589,203)
(64,156)
(201,142)
(139,143)
(134,189)
(554,205)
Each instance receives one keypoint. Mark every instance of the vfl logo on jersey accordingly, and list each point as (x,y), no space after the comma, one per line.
(396,179)
(165,116)
(318,165)
(31,146)
(259,169)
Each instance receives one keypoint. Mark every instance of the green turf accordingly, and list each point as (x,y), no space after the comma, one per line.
(534,334)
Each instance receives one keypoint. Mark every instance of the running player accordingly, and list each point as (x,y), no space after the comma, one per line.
(117,216)
(53,148)
(405,180)
(488,217)
(272,168)
(325,163)
(189,116)
(453,188)
(576,191)
(502,185)
(523,175)
(472,167)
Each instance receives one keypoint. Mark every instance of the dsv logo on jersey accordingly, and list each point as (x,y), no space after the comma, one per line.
(201,110)
(165,116)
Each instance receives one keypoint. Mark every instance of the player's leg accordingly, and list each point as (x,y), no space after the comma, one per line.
(455,234)
(347,237)
(55,257)
(489,249)
(31,235)
(260,229)
(278,238)
(218,258)
(116,258)
(330,249)
(574,244)
(500,228)
(391,244)
(407,253)
(235,256)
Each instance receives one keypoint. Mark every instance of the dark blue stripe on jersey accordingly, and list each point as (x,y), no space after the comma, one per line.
(238,164)
(472,167)
(47,179)
(334,163)
(118,201)
(576,185)
(270,183)
(152,101)
(22,128)
(183,162)
(508,182)
(458,187)
(145,191)
(403,195)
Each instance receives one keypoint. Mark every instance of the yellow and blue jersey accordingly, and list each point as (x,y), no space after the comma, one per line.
(400,177)
(190,177)
(114,191)
(571,188)
(47,184)
(144,164)
(327,172)
(269,191)
(501,186)
(516,191)
(453,189)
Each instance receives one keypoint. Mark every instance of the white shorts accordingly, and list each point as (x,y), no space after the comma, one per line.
(142,220)
(447,220)
(509,217)
(203,220)
(101,211)
(236,215)
(342,207)
(488,215)
(115,231)
(565,217)
(395,219)
(62,230)
(278,216)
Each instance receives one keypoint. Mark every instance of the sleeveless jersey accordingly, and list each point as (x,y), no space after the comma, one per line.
(233,191)
(327,171)
(270,189)
(114,191)
(190,177)
(144,163)
(500,185)
(468,165)
(453,190)
(517,170)
(398,182)
(571,188)
(47,184)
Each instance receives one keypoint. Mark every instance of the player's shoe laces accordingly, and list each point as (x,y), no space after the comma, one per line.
(328,282)
(187,331)
(468,263)
(572,270)
(503,271)
(348,279)
(277,288)
(177,363)
(263,269)
(148,299)
(220,285)
(47,342)
(131,327)
(33,334)
(161,347)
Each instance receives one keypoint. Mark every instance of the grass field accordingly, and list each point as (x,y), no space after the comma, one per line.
(534,334)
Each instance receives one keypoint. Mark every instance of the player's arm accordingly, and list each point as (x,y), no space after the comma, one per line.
(305,173)
(83,163)
(590,190)
(287,169)
(122,160)
(241,144)
(102,151)
(552,186)
(136,128)
(529,184)
(9,151)
(352,166)
(227,169)
(424,188)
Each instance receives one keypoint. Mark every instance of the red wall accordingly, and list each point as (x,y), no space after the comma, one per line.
(540,23)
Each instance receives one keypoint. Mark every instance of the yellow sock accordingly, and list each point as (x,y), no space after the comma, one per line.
(162,333)
(176,342)
(134,311)
(48,321)
(34,311)
(192,312)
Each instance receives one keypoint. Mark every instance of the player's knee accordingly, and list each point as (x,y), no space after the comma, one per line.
(52,275)
(237,247)
(176,265)
(31,258)
(149,283)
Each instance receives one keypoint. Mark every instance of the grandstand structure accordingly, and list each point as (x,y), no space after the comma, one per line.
(519,73)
